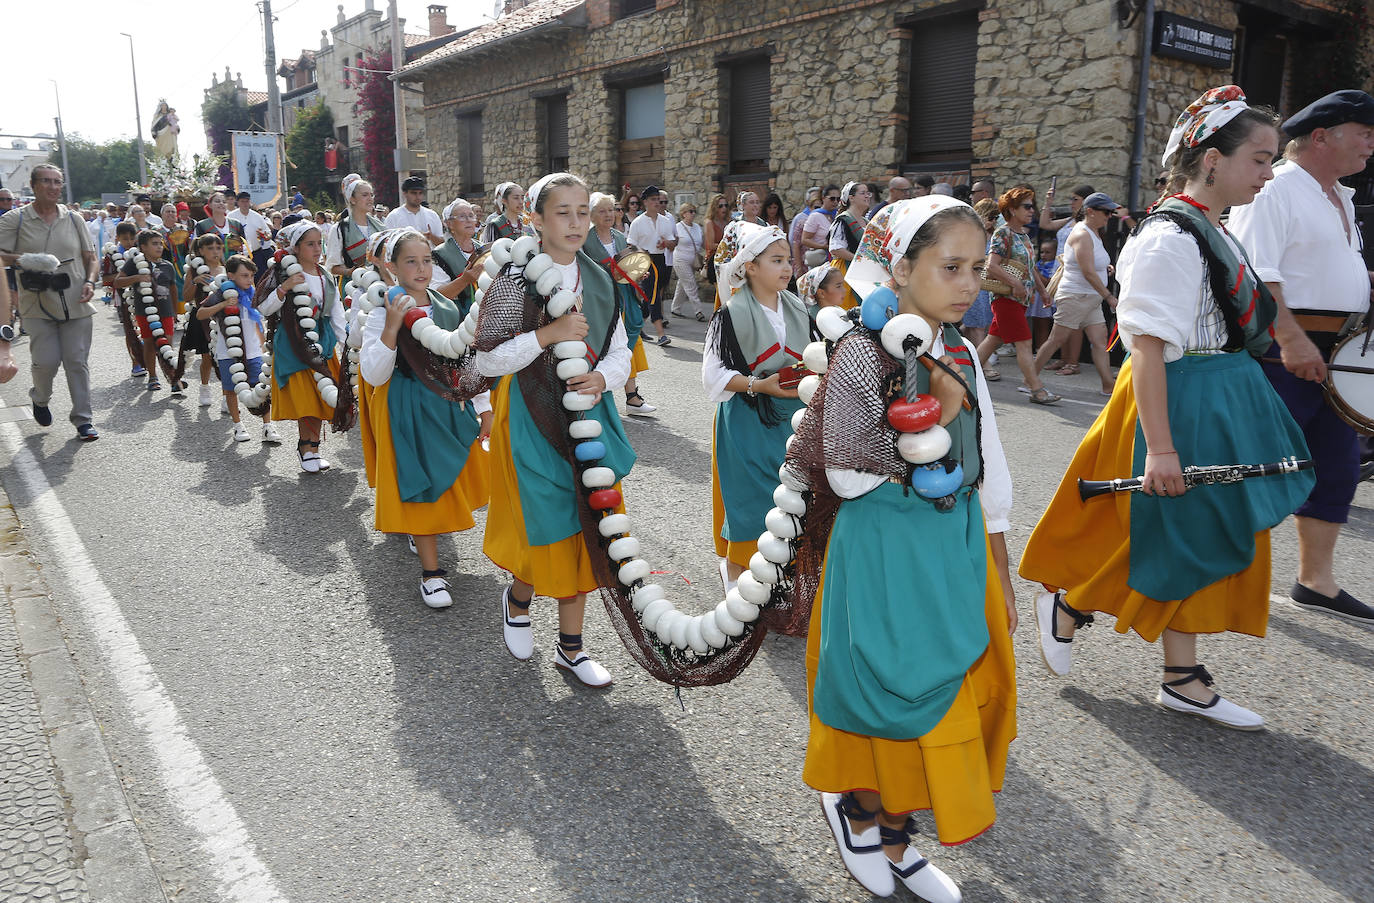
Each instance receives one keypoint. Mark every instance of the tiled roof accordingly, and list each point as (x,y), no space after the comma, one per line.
(541,12)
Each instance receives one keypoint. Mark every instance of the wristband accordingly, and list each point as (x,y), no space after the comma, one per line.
(749,390)
(1153,454)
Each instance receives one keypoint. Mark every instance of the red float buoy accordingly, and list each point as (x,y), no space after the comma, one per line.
(604,499)
(914,416)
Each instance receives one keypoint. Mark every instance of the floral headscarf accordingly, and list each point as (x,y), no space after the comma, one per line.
(809,283)
(750,240)
(887,237)
(1204,117)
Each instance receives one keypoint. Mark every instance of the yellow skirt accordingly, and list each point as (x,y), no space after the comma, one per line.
(557,571)
(735,552)
(1085,548)
(851,300)
(639,361)
(299,398)
(953,770)
(451,512)
(365,436)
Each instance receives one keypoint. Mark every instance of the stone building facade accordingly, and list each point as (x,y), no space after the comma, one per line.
(701,96)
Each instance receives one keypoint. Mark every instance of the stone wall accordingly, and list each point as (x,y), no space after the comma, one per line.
(1054,93)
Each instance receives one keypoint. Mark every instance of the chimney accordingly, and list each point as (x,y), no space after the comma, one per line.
(438,21)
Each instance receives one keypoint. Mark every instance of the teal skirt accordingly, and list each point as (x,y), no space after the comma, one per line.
(748,455)
(902,612)
(1222,410)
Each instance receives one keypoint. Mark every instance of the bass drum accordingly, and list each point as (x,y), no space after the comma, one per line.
(1350,390)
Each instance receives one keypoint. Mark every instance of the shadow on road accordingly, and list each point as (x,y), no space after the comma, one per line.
(601,790)
(1295,795)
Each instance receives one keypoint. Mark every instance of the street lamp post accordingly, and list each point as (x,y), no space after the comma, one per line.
(62,142)
(138,116)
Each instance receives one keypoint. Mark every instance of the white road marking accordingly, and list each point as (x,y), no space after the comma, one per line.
(191,785)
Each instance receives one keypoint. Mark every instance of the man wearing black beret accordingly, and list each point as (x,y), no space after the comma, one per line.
(1302,238)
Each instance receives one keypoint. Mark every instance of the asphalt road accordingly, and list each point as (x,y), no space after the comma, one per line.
(373,750)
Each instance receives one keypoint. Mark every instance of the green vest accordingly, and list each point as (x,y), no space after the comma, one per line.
(963,429)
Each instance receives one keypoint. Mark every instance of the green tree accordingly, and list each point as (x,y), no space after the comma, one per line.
(305,149)
(96,168)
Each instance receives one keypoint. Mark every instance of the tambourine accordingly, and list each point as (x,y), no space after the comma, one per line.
(233,244)
(635,265)
(178,237)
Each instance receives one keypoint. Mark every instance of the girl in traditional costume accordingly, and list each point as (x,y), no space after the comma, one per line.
(539,525)
(510,219)
(822,286)
(605,244)
(229,309)
(909,656)
(207,252)
(759,330)
(1172,562)
(847,230)
(111,264)
(428,420)
(346,243)
(300,362)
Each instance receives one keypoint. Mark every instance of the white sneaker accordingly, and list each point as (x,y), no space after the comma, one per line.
(434,592)
(1222,711)
(862,853)
(583,668)
(270,435)
(207,396)
(1057,652)
(516,631)
(240,433)
(410,541)
(923,879)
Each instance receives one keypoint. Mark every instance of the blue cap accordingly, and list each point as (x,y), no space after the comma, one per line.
(1099,200)
(1330,111)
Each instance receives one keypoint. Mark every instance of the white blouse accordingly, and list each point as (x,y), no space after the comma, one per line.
(273,302)
(376,362)
(516,354)
(995,494)
(714,373)
(1165,292)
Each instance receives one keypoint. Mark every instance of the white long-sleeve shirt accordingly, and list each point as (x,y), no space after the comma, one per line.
(273,301)
(516,354)
(376,362)
(995,494)
(714,374)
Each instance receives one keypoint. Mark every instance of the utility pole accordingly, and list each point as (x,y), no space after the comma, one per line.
(398,59)
(138,117)
(62,141)
(274,117)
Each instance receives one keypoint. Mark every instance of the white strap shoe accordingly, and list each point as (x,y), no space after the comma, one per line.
(434,592)
(1222,711)
(915,871)
(1056,651)
(516,631)
(583,668)
(862,852)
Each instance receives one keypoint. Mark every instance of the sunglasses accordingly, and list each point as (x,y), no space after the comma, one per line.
(1027,206)
(833,197)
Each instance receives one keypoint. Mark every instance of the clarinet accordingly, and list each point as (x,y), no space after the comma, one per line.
(1204,475)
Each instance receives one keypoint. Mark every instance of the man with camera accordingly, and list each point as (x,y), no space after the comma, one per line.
(57,278)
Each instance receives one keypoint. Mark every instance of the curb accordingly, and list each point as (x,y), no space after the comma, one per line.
(106,844)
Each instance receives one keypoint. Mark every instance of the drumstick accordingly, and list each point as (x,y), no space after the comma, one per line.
(930,365)
(1339,368)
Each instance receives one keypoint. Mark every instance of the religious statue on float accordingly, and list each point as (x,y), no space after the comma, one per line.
(166,127)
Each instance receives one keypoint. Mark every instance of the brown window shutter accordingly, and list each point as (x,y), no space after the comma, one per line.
(944,56)
(750,116)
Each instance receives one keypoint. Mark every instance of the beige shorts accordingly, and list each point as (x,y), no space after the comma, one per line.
(1078,311)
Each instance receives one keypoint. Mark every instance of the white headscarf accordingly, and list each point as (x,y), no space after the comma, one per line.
(395,236)
(532,195)
(347,186)
(374,241)
(887,237)
(501,193)
(454,205)
(292,234)
(752,239)
(846,191)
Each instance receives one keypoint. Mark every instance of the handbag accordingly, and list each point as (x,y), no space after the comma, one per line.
(1000,289)
(1053,288)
